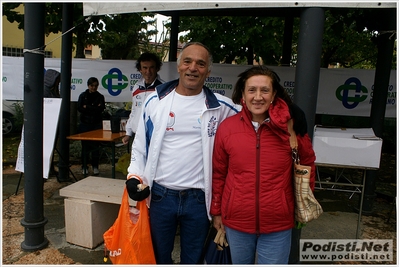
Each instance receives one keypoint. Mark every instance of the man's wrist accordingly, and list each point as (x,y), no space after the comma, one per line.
(129,132)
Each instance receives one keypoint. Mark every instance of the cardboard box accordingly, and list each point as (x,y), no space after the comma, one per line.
(354,147)
(107,124)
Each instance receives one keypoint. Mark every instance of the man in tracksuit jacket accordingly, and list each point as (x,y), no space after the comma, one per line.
(172,154)
(148,64)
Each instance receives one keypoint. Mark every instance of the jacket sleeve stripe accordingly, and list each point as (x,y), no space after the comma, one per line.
(227,104)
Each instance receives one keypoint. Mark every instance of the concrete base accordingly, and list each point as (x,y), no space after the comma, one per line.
(91,208)
(86,221)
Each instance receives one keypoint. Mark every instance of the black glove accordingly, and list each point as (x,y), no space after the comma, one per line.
(131,186)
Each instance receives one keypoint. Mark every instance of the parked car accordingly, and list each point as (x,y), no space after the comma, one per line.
(10,116)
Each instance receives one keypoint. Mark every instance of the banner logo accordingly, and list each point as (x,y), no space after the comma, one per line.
(351,85)
(333,250)
(114,75)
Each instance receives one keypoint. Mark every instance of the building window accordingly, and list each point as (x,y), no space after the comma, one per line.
(89,50)
(19,52)
(48,54)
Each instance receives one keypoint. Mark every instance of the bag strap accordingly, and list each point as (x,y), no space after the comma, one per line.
(293,141)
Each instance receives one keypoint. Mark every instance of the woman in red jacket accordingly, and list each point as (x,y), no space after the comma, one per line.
(252,186)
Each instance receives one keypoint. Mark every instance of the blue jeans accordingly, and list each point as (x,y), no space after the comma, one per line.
(273,248)
(169,208)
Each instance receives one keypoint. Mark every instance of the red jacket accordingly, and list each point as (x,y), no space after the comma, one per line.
(252,186)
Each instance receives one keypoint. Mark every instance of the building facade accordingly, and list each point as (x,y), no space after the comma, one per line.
(13,41)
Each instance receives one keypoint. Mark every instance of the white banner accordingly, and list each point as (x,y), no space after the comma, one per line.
(346,92)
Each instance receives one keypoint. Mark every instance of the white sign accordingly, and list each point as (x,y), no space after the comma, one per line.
(51,111)
(347,92)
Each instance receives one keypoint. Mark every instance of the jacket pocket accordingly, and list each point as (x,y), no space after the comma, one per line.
(228,206)
(283,211)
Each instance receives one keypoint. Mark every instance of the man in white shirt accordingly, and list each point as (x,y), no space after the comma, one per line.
(172,154)
(148,64)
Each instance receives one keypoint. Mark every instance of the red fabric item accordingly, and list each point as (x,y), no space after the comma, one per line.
(252,185)
(128,242)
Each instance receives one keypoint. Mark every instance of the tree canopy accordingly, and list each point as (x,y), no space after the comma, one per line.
(238,38)
(119,36)
(348,39)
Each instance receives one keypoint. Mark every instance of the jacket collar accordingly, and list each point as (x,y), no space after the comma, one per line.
(278,113)
(164,89)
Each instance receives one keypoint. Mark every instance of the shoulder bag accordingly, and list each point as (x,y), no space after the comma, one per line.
(307,208)
(216,250)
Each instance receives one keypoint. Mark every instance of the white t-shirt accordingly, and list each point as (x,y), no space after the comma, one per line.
(180,164)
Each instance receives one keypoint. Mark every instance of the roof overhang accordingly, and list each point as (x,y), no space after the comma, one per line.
(103,8)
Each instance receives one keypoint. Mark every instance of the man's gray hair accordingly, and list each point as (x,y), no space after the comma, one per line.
(210,59)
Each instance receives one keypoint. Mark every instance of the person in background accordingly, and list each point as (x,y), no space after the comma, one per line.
(91,105)
(171,153)
(148,64)
(252,186)
(52,79)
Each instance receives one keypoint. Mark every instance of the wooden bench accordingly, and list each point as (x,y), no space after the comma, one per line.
(91,207)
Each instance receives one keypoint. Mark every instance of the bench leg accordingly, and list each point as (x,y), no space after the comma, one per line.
(86,221)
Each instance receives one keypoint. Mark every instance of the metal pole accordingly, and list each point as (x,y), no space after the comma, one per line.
(385,45)
(307,83)
(34,220)
(174,32)
(66,66)
(359,217)
(307,71)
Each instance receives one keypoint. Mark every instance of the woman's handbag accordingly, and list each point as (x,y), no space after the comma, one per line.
(217,250)
(307,208)
(128,242)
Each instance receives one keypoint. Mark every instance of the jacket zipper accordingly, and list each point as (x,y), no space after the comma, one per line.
(257,180)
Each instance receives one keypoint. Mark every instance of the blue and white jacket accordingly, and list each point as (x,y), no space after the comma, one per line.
(152,127)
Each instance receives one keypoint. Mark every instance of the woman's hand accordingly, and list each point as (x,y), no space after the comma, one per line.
(217,223)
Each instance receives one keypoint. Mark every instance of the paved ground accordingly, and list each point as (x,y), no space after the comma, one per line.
(339,221)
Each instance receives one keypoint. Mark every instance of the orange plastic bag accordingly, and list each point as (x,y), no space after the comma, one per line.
(128,242)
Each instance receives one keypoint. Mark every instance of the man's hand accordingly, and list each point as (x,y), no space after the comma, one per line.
(125,139)
(134,193)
